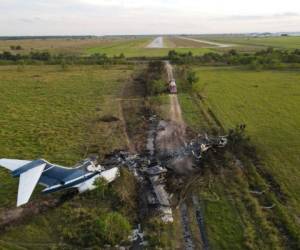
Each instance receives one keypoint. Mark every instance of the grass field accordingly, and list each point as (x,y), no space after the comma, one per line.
(290,42)
(50,113)
(267,102)
(54,114)
(177,42)
(56,46)
(111,46)
(137,48)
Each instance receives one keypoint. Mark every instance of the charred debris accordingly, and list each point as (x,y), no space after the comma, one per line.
(151,168)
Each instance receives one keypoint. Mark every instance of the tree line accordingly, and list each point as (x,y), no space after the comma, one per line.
(267,58)
(45,57)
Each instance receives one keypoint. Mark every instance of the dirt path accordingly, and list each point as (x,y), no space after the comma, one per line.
(169,70)
(170,137)
(176,113)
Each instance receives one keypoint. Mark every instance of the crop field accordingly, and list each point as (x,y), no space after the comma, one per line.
(267,102)
(56,114)
(289,42)
(138,48)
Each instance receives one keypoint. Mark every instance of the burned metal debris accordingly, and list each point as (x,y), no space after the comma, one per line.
(150,168)
(197,147)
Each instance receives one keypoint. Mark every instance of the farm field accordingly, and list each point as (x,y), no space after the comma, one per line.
(138,48)
(267,102)
(289,42)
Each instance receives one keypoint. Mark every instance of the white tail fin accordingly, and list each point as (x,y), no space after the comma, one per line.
(27,183)
(12,164)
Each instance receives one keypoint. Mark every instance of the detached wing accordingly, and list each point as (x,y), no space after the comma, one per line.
(12,164)
(27,183)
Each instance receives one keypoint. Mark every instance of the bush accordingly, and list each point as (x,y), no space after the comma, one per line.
(18,47)
(158,87)
(113,228)
(84,228)
(269,58)
(126,190)
(239,143)
(158,234)
(192,77)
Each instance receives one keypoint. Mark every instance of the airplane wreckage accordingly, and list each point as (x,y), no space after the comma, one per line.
(55,177)
(149,170)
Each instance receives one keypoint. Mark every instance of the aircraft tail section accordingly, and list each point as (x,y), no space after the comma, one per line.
(28,181)
(12,164)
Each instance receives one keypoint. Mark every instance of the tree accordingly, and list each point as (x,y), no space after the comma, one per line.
(192,77)
(232,52)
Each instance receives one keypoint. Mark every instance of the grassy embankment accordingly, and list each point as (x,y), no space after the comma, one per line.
(56,114)
(138,48)
(267,102)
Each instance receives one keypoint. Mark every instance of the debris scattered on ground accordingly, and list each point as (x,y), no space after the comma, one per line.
(151,168)
(137,238)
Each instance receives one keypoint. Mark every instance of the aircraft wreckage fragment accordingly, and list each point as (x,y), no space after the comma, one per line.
(55,177)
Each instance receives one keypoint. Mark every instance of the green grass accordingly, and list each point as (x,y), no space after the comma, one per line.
(224,225)
(54,46)
(54,114)
(267,102)
(137,48)
(290,42)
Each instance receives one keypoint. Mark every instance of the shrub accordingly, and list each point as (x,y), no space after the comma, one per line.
(113,228)
(85,228)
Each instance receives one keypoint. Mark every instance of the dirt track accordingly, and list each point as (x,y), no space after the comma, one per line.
(172,134)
